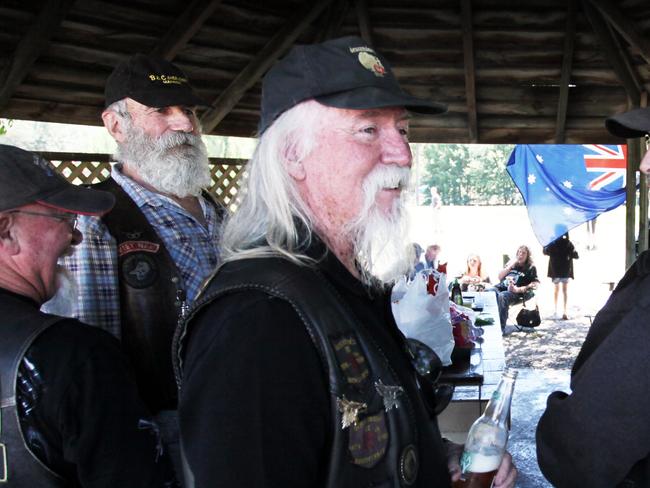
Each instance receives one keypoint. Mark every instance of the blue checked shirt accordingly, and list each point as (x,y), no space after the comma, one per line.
(191,245)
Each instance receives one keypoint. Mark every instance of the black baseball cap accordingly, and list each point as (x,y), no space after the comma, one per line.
(151,81)
(27,178)
(630,124)
(341,73)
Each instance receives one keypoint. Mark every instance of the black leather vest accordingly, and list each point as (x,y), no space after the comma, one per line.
(19,468)
(151,296)
(384,439)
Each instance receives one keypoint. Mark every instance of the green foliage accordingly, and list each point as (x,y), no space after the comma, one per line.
(4,126)
(469,174)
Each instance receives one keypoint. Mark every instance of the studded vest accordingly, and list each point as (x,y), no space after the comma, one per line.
(375,430)
(19,468)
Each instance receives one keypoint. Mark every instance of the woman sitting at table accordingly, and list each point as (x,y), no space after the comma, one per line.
(474,278)
(516,282)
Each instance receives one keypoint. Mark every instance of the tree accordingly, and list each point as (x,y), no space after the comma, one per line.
(4,126)
(469,174)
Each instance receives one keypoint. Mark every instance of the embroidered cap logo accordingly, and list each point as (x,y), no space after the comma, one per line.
(371,63)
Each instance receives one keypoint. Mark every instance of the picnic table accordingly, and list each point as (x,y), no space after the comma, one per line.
(475,375)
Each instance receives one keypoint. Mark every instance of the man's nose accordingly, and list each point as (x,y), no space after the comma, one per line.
(180,120)
(396,149)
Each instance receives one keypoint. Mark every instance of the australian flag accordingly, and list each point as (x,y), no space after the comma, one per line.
(565,185)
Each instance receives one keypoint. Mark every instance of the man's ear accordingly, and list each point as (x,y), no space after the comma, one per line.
(8,239)
(294,165)
(113,124)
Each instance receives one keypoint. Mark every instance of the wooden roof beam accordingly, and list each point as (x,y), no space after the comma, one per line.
(612,52)
(470,73)
(30,47)
(333,21)
(185,27)
(565,76)
(279,43)
(363,17)
(624,26)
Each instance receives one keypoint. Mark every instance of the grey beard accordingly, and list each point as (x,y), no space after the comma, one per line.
(379,239)
(64,301)
(175,163)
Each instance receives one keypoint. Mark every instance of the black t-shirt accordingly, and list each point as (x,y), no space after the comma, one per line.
(255,403)
(80,412)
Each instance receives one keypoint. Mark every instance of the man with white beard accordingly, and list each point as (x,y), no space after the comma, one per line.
(142,264)
(69,409)
(293,372)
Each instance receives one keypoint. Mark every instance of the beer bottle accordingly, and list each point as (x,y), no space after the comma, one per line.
(487,438)
(456,293)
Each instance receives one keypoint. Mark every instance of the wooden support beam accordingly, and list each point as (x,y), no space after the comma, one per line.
(643,189)
(624,26)
(184,28)
(333,20)
(30,47)
(363,17)
(612,52)
(565,76)
(470,74)
(277,46)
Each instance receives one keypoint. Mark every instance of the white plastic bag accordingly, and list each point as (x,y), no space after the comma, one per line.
(424,317)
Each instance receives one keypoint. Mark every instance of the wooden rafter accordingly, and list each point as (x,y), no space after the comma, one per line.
(184,28)
(565,76)
(278,44)
(470,73)
(363,18)
(624,26)
(333,20)
(31,46)
(612,52)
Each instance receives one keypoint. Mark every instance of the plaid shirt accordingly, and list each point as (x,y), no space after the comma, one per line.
(191,245)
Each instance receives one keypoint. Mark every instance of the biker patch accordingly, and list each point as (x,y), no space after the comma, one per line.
(368,440)
(409,465)
(127,247)
(139,270)
(352,362)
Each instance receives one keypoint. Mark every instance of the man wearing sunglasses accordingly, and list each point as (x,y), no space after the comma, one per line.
(70,413)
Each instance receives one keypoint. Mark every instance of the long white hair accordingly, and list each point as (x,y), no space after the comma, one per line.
(271,218)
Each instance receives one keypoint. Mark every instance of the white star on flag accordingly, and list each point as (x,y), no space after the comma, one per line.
(531,179)
(568,211)
(539,158)
(567,184)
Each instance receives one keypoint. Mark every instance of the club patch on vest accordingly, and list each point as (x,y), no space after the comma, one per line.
(139,270)
(352,362)
(368,440)
(127,247)
(409,465)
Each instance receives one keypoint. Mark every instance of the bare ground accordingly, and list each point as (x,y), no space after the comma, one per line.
(553,345)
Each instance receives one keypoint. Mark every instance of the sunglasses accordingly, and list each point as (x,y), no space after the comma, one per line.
(70,218)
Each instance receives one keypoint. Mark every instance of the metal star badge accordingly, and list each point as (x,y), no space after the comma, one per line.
(389,394)
(350,411)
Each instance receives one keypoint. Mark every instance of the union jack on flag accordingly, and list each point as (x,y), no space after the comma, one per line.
(608,160)
(565,185)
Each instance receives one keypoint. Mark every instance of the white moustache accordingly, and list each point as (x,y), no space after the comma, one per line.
(386,177)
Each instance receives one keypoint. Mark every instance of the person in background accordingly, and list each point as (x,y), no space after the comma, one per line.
(70,412)
(561,253)
(431,256)
(474,278)
(599,434)
(294,372)
(436,205)
(517,282)
(418,265)
(142,264)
